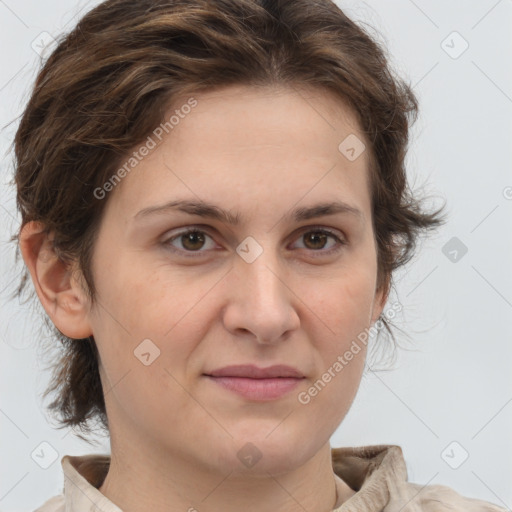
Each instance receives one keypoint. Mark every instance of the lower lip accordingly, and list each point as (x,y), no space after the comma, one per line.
(258,389)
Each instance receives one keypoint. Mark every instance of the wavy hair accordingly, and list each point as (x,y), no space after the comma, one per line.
(109,82)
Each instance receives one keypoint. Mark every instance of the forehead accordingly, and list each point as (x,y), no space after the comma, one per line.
(245,141)
(273,114)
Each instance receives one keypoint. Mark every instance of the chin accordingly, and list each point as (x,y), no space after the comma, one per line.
(257,454)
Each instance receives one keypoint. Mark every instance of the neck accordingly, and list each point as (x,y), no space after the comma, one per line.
(139,480)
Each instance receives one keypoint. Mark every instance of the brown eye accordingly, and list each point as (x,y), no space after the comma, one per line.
(190,241)
(193,240)
(317,241)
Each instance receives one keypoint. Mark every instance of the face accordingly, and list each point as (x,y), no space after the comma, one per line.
(273,288)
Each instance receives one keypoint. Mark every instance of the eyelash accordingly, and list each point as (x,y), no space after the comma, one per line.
(311,229)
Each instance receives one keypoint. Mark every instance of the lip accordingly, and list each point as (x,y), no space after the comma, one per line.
(260,384)
(253,372)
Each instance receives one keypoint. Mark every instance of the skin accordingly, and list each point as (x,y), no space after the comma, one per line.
(174,433)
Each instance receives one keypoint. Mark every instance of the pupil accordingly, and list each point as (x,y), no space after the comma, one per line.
(317,237)
(193,237)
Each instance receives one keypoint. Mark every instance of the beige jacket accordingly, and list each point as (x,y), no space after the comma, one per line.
(377,473)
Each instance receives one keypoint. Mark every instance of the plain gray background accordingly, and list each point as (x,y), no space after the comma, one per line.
(451,396)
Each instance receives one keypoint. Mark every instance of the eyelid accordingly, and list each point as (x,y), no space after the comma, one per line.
(333,231)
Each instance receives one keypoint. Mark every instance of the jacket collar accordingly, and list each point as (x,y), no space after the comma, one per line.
(372,471)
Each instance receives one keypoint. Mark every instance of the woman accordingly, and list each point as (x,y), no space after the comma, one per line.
(213,201)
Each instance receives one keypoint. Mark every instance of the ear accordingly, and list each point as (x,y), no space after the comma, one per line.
(54,281)
(381,297)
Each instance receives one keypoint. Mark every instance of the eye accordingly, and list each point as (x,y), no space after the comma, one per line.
(194,239)
(191,240)
(316,240)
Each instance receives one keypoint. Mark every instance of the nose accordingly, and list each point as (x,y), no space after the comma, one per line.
(261,302)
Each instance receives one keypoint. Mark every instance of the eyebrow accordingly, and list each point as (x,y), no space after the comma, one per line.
(212,211)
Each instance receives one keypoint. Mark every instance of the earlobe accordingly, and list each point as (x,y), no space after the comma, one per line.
(59,292)
(381,297)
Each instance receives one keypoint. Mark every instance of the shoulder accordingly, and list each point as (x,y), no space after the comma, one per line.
(439,498)
(55,504)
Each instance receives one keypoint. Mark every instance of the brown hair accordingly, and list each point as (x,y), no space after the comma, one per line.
(108,83)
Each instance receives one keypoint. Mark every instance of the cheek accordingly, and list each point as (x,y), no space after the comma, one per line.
(348,317)
(345,302)
(148,318)
(145,341)
(151,301)
(339,319)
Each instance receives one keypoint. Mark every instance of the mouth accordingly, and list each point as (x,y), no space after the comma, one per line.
(259,384)
(253,372)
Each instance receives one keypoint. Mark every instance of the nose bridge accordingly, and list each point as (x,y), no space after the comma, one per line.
(260,276)
(262,304)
